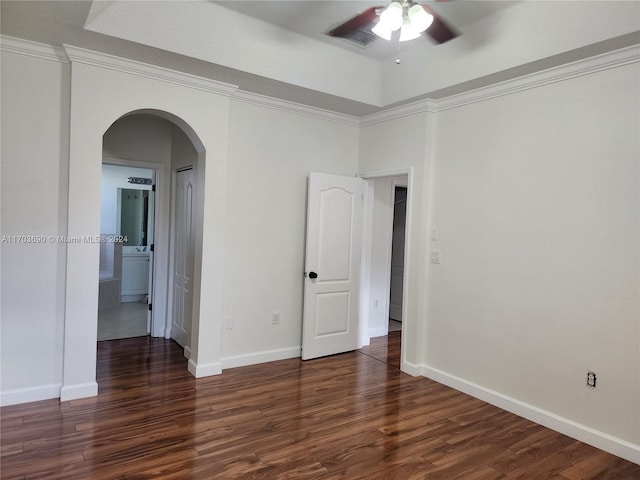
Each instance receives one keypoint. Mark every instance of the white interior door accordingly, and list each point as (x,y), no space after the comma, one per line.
(183,253)
(332,265)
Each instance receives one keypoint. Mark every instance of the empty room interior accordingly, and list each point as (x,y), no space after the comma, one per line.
(241,211)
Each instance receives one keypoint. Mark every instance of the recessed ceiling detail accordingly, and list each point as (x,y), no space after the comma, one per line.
(281,48)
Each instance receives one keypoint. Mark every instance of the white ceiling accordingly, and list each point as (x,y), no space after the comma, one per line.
(278,48)
(313,18)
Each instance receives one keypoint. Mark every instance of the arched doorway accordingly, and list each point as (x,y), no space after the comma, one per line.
(159,150)
(81,304)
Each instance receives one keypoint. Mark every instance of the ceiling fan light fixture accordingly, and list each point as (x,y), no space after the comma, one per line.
(408,16)
(408,31)
(392,16)
(381,30)
(420,19)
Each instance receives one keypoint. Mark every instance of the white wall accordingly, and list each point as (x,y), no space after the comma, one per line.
(536,201)
(535,197)
(270,156)
(34,175)
(274,150)
(183,153)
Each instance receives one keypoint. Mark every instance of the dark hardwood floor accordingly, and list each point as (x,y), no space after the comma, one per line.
(385,349)
(350,416)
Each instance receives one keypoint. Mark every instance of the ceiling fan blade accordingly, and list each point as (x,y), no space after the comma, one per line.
(355,23)
(440,30)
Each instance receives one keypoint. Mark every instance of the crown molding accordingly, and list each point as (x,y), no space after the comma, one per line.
(75,54)
(587,66)
(32,49)
(141,69)
(296,108)
(560,73)
(414,108)
(605,61)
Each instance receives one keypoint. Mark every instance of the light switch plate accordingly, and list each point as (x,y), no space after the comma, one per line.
(435,256)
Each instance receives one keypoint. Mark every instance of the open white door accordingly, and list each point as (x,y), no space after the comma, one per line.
(332,265)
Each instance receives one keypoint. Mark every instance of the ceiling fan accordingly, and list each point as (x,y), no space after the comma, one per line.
(406,16)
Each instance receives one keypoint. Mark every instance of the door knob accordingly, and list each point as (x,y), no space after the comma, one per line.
(313,275)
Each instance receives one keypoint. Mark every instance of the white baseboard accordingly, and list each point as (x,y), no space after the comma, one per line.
(204,370)
(31,394)
(260,357)
(378,332)
(596,438)
(411,369)
(80,390)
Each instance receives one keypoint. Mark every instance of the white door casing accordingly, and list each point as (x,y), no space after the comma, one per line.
(334,224)
(151,224)
(183,253)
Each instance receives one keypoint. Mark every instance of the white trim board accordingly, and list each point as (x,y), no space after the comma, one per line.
(70,53)
(32,49)
(154,72)
(121,64)
(31,394)
(204,370)
(559,73)
(261,357)
(601,440)
(296,108)
(79,390)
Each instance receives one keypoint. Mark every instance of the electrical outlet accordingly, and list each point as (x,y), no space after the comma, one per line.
(591,379)
(375,303)
(228,324)
(275,318)
(435,256)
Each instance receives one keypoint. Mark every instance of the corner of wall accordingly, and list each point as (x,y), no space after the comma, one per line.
(204,370)
(81,390)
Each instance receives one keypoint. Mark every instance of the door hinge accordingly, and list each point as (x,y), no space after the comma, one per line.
(153,188)
(150,306)
(152,247)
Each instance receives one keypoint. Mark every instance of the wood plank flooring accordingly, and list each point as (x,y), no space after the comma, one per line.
(385,349)
(349,416)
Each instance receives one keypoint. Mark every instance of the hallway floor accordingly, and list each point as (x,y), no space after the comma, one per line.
(126,321)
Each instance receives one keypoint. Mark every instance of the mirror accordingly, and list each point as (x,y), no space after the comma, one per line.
(134,216)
